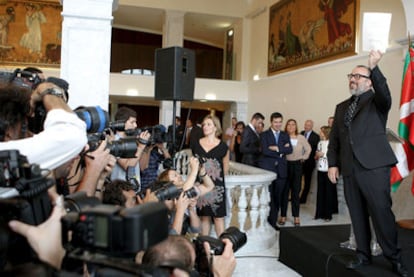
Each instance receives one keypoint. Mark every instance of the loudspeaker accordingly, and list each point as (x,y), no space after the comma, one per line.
(174,74)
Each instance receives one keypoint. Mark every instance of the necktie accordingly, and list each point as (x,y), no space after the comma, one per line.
(349,114)
(277,137)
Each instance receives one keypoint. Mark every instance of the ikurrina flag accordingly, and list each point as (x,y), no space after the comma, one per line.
(405,151)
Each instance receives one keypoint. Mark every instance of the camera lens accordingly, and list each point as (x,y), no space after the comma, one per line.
(191,193)
(96,118)
(123,148)
(237,237)
(168,191)
(117,125)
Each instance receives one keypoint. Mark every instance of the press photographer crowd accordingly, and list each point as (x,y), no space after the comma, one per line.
(82,195)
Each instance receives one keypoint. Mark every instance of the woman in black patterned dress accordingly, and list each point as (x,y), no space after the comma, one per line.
(215,154)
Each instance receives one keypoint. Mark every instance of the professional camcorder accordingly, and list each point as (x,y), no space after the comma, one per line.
(21,78)
(122,148)
(116,231)
(232,233)
(23,196)
(167,191)
(157,132)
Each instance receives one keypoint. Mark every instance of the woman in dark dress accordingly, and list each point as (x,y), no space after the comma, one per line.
(236,140)
(215,155)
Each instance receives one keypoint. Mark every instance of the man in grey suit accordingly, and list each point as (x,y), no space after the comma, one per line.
(359,149)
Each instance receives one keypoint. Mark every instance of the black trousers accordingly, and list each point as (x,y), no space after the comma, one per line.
(293,185)
(308,167)
(367,193)
(275,190)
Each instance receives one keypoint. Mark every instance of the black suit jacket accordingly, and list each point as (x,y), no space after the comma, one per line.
(313,141)
(272,160)
(366,138)
(250,146)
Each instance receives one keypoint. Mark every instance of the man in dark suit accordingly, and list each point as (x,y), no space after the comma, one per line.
(250,143)
(309,164)
(358,148)
(275,146)
(196,133)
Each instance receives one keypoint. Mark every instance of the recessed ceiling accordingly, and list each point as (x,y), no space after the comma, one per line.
(203,28)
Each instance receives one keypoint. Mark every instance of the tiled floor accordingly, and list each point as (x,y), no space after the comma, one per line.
(266,262)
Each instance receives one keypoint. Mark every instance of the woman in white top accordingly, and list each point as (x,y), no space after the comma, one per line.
(326,201)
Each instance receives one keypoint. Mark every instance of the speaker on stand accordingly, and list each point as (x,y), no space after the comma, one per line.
(174,79)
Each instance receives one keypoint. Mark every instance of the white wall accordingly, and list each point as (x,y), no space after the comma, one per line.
(313,92)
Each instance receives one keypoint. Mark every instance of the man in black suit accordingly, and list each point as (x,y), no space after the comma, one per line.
(309,164)
(250,143)
(275,146)
(358,148)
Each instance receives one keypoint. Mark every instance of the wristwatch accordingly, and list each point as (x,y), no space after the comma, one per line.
(54,91)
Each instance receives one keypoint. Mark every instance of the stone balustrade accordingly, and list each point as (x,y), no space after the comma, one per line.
(247,190)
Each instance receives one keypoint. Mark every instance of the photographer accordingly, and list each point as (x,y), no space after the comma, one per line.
(129,169)
(46,238)
(150,162)
(177,256)
(64,134)
(184,217)
(96,166)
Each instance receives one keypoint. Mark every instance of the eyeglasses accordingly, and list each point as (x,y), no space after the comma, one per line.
(357,76)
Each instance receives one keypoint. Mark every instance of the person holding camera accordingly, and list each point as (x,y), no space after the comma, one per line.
(183,212)
(96,166)
(154,155)
(64,134)
(129,168)
(176,256)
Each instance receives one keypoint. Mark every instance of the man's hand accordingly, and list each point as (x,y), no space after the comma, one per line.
(224,264)
(373,58)
(46,238)
(333,174)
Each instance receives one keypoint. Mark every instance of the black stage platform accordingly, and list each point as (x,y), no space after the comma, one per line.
(314,252)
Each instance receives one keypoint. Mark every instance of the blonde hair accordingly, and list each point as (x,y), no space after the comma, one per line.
(216,123)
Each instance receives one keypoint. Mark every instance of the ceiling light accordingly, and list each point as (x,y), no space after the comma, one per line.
(230,32)
(132,92)
(211,96)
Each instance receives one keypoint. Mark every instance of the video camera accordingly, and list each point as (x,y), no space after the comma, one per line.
(167,191)
(232,233)
(158,134)
(21,78)
(23,196)
(116,231)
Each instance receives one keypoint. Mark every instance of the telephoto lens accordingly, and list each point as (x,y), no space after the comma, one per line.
(168,191)
(191,193)
(237,237)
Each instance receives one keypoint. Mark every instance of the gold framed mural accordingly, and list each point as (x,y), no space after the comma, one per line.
(30,32)
(306,32)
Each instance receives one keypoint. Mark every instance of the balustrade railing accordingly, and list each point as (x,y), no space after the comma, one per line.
(247,193)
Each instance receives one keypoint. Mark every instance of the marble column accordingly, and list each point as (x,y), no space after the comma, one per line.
(86,50)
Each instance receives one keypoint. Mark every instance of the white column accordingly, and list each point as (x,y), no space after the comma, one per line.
(86,50)
(173,35)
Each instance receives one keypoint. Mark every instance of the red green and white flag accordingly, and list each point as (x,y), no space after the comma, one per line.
(405,151)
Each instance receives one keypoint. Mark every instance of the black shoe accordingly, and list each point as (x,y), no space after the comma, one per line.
(274,225)
(399,268)
(358,262)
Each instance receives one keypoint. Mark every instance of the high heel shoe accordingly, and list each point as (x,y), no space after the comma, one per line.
(282,221)
(296,222)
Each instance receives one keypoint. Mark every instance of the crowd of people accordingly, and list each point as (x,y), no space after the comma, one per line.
(110,169)
(346,146)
